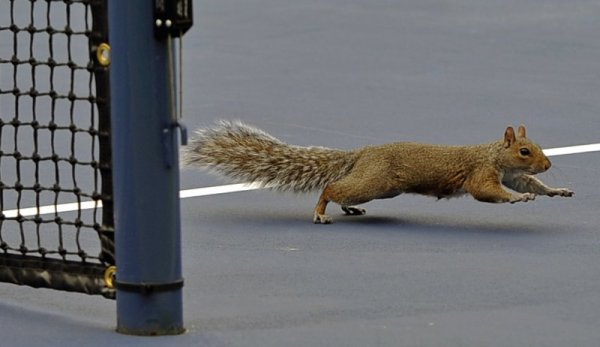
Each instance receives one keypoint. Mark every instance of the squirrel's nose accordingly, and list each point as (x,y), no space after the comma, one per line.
(547,164)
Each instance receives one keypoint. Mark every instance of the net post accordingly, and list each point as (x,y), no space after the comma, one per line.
(146,175)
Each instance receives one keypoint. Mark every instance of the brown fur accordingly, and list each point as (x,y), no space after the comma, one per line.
(355,177)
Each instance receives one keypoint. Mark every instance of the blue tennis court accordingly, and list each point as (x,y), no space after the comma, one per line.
(413,271)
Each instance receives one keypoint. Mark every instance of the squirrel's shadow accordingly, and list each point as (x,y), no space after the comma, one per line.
(445,224)
(406,223)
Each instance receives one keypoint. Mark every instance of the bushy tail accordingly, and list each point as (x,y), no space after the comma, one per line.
(248,154)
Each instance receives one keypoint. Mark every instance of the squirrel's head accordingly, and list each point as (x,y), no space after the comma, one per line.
(523,154)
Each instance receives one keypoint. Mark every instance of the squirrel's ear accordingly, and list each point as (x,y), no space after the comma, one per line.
(522,132)
(509,137)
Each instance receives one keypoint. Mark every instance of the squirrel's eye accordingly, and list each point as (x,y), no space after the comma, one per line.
(524,151)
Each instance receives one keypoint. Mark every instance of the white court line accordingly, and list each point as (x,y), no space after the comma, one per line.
(52,209)
(229,188)
(233,188)
(551,152)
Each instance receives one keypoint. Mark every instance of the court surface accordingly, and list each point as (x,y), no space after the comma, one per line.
(413,271)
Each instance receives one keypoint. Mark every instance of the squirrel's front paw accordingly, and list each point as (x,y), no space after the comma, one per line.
(522,197)
(322,219)
(561,192)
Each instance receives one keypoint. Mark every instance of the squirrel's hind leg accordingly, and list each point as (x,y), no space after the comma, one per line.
(344,192)
(319,216)
(330,193)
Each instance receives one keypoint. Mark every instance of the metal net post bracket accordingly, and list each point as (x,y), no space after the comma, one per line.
(172,19)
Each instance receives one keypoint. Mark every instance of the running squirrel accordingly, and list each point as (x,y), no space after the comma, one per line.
(348,178)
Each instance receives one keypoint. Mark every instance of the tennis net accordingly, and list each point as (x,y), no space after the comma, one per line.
(55,146)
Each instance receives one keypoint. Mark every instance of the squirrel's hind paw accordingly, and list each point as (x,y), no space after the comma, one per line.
(322,219)
(353,211)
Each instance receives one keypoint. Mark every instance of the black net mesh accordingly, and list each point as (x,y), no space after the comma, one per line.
(54,146)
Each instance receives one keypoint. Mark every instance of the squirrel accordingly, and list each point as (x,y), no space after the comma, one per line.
(247,154)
